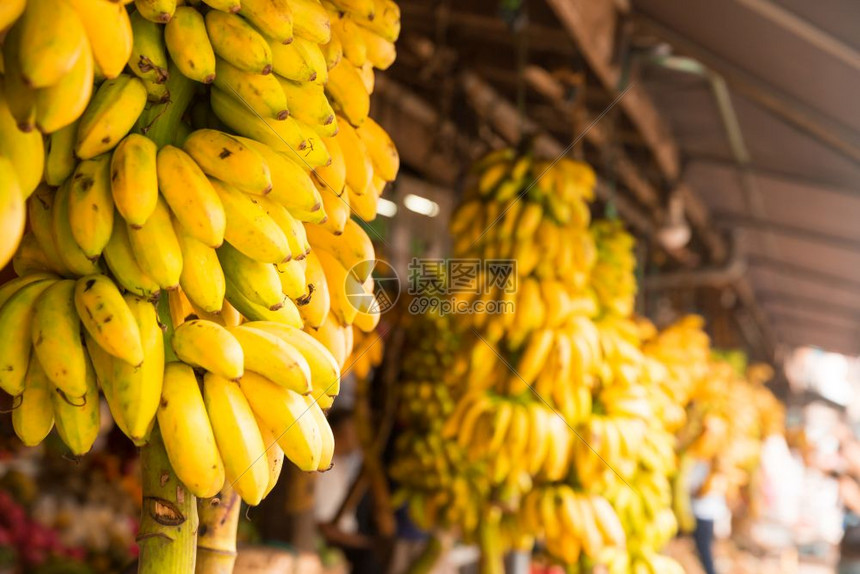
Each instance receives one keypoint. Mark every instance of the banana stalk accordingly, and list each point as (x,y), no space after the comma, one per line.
(216,541)
(159,121)
(168,522)
(492,557)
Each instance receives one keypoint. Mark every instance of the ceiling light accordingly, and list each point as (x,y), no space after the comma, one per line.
(421,205)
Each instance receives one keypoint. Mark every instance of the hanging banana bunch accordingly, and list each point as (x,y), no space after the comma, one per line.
(207,168)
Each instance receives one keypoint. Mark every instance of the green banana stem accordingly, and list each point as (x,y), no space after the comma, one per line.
(168,523)
(426,561)
(492,555)
(162,123)
(216,539)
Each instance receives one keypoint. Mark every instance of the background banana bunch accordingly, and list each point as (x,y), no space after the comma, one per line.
(192,169)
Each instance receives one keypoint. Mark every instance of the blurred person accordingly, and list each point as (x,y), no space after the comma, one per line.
(708,504)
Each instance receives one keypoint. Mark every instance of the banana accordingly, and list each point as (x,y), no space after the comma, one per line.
(308,104)
(109,31)
(332,176)
(299,61)
(16,316)
(311,21)
(364,7)
(110,115)
(156,11)
(258,282)
(238,43)
(156,247)
(315,153)
(209,346)
(333,52)
(288,314)
(13,211)
(282,136)
(56,334)
(188,45)
(336,207)
(324,368)
(359,166)
(353,248)
(281,411)
(91,206)
(187,432)
(326,434)
(260,93)
(238,438)
(352,41)
(382,151)
(274,358)
(291,274)
(607,521)
(65,245)
(107,318)
(25,151)
(539,440)
(120,259)
(19,95)
(148,58)
(274,454)
(535,354)
(11,11)
(249,228)
(293,229)
(274,18)
(381,53)
(592,541)
(292,187)
(348,93)
(14,285)
(340,290)
(224,157)
(180,307)
(229,6)
(52,38)
(202,278)
(133,178)
(60,155)
(39,217)
(78,423)
(33,418)
(190,196)
(315,307)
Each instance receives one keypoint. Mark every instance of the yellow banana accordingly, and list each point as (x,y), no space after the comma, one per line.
(315,153)
(382,151)
(260,93)
(274,454)
(209,346)
(157,11)
(272,17)
(274,358)
(607,521)
(311,21)
(238,43)
(324,368)
(190,196)
(315,307)
(359,166)
(291,275)
(78,423)
(11,11)
(258,282)
(332,176)
(535,354)
(120,259)
(110,115)
(282,136)
(282,413)
(16,335)
(107,318)
(307,103)
(109,31)
(13,211)
(238,438)
(299,61)
(249,228)
(20,96)
(352,41)
(348,93)
(60,155)
(188,45)
(67,249)
(148,58)
(336,208)
(336,278)
(353,248)
(288,314)
(156,247)
(202,278)
(133,178)
(52,39)
(187,432)
(224,157)
(332,52)
(292,187)
(293,229)
(14,285)
(56,331)
(326,434)
(91,205)
(381,52)
(33,418)
(539,440)
(39,217)
(25,151)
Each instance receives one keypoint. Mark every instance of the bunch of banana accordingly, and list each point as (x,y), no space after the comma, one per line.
(612,277)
